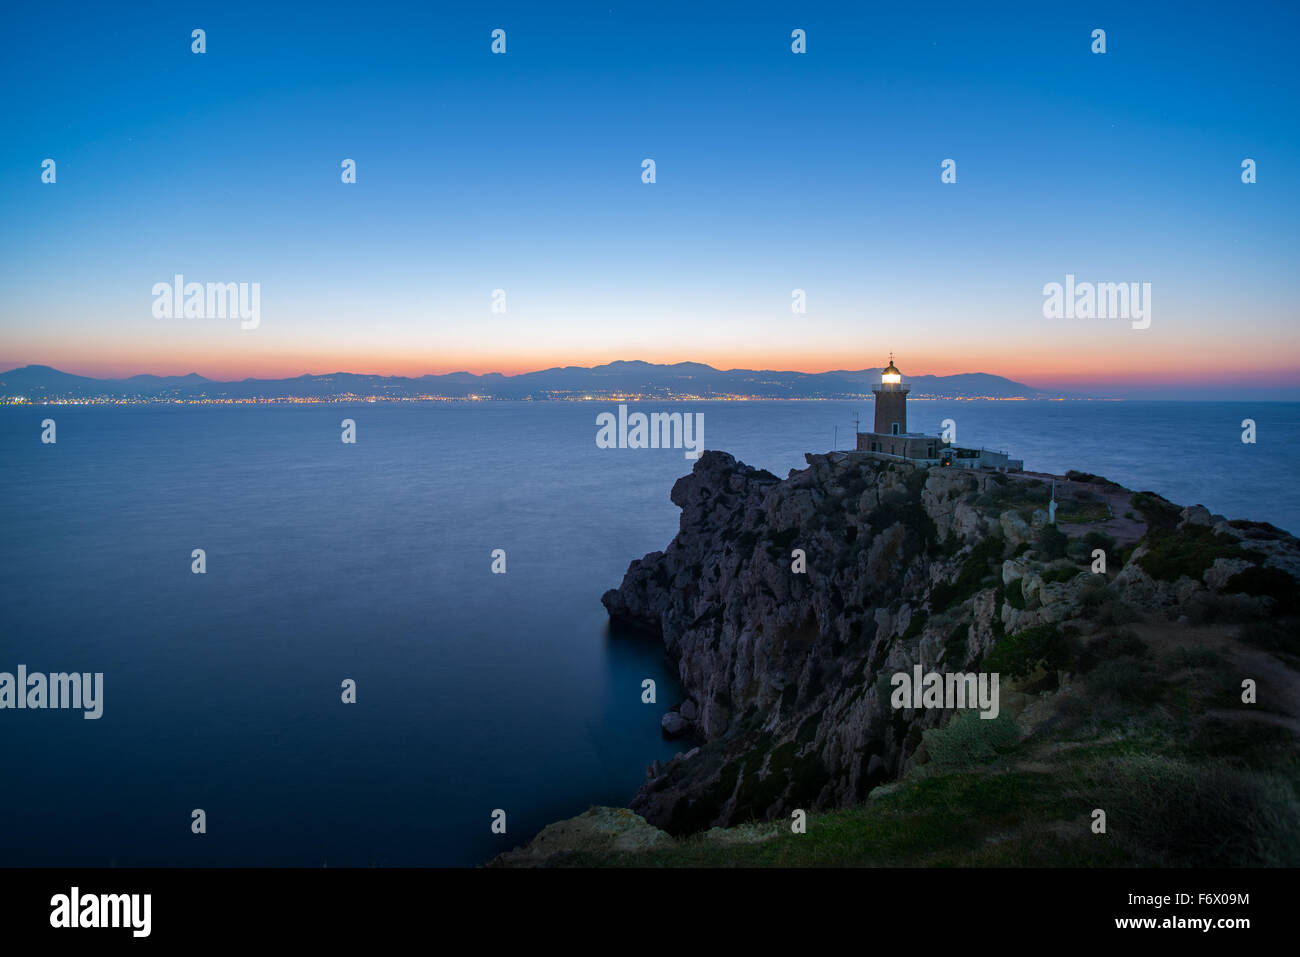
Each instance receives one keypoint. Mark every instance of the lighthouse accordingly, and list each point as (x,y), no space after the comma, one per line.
(891,401)
(890,436)
(891,440)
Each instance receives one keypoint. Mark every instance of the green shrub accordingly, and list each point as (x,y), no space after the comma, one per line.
(954,648)
(904,507)
(1108,647)
(1260,530)
(1208,607)
(1115,612)
(917,623)
(1063,574)
(1195,659)
(1095,539)
(693,814)
(1156,510)
(1021,653)
(1125,679)
(1088,477)
(971,576)
(1189,551)
(969,739)
(757,793)
(1051,543)
(1095,593)
(1262,580)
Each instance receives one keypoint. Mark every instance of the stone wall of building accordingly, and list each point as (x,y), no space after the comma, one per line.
(908,446)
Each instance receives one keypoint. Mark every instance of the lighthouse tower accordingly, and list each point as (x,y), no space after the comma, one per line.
(891,402)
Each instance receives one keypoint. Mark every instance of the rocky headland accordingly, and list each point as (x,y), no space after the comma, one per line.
(1124,632)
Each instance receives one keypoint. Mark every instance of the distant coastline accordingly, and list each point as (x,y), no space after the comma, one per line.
(622,381)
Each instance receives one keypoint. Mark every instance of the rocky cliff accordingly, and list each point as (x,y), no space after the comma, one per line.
(788,604)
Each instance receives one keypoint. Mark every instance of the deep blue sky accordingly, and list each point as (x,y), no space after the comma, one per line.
(775,171)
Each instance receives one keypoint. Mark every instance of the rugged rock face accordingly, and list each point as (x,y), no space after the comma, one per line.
(788,604)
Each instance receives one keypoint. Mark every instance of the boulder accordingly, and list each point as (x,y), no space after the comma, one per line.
(1217,575)
(1012,569)
(674,725)
(1015,529)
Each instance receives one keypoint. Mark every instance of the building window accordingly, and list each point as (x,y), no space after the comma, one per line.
(894,429)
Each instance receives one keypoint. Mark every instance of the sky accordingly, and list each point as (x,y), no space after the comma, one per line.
(775,171)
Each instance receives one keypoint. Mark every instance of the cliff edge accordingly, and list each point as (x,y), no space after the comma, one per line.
(788,605)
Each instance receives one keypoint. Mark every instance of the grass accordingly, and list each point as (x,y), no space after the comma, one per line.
(1082,513)
(1276,635)
(932,821)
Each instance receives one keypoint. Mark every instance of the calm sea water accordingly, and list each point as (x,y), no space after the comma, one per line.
(372,562)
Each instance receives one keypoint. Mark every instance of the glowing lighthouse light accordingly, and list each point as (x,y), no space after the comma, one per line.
(891,375)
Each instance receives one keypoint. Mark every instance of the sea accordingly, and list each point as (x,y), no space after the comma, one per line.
(480,697)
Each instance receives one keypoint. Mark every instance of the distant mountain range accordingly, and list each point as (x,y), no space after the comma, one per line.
(644,379)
